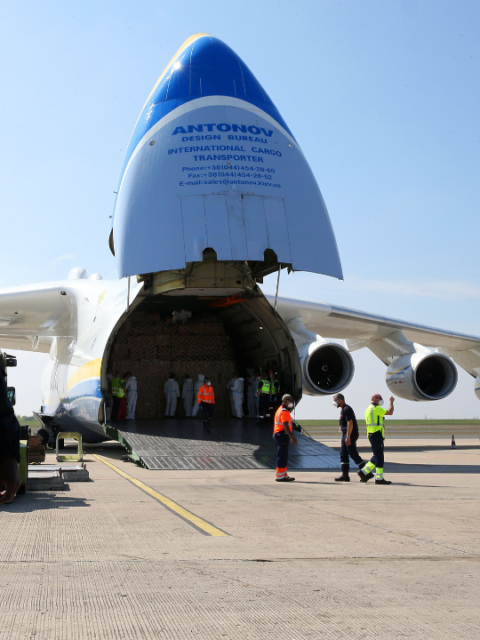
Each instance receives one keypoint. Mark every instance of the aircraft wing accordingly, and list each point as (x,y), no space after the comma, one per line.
(31,316)
(386,337)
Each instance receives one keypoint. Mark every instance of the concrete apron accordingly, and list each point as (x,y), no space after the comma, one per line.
(311,559)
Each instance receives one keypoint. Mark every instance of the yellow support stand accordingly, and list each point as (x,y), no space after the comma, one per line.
(69,457)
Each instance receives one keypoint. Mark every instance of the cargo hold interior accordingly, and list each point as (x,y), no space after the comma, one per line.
(219,338)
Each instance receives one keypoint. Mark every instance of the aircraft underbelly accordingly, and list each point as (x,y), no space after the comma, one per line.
(87,425)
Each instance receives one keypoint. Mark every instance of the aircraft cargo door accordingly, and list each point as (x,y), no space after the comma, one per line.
(238,227)
(266,227)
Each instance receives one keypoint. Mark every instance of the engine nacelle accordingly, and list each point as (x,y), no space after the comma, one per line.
(422,376)
(327,368)
(477,387)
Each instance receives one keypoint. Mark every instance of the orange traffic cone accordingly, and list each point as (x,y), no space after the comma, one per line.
(453,445)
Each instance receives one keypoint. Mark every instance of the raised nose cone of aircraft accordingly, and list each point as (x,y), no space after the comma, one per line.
(203,66)
(212,164)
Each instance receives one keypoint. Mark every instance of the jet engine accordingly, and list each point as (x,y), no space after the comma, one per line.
(422,376)
(327,368)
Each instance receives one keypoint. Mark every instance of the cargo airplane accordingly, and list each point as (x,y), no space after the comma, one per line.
(214,194)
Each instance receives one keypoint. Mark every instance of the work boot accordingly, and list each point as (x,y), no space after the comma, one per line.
(286,479)
(343,478)
(363,477)
(383,481)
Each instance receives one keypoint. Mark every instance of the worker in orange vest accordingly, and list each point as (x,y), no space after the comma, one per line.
(206,398)
(282,433)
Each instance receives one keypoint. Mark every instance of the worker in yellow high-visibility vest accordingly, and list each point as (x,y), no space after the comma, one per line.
(118,392)
(374,415)
(264,393)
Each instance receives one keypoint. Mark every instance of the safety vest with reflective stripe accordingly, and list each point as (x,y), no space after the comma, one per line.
(117,389)
(266,386)
(205,394)
(282,415)
(374,419)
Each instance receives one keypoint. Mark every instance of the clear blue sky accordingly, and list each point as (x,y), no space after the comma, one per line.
(382,96)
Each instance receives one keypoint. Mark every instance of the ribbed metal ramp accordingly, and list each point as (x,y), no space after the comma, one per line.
(230,444)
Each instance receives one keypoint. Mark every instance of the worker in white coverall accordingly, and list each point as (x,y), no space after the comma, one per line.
(132,394)
(230,384)
(172,393)
(237,391)
(196,389)
(187,395)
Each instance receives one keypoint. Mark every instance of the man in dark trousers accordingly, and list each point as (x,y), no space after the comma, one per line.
(264,393)
(349,429)
(206,398)
(9,446)
(282,433)
(374,415)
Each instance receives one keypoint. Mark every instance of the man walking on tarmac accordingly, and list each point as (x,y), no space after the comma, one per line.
(349,428)
(376,434)
(282,434)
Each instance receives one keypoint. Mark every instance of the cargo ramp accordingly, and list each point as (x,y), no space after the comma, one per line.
(184,443)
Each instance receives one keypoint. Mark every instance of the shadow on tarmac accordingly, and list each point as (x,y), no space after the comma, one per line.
(356,481)
(43,500)
(419,448)
(396,467)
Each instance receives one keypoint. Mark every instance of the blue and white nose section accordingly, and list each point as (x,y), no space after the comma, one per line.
(212,165)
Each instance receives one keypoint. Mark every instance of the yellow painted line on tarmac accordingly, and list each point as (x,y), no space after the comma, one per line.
(200,524)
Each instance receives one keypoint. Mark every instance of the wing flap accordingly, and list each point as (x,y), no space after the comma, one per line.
(30,317)
(468,360)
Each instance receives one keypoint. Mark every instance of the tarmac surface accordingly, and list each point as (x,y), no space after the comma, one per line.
(140,554)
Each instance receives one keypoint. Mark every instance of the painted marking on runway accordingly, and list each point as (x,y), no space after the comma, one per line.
(201,525)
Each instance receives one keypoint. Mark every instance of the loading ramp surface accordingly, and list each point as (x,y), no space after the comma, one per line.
(183,443)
